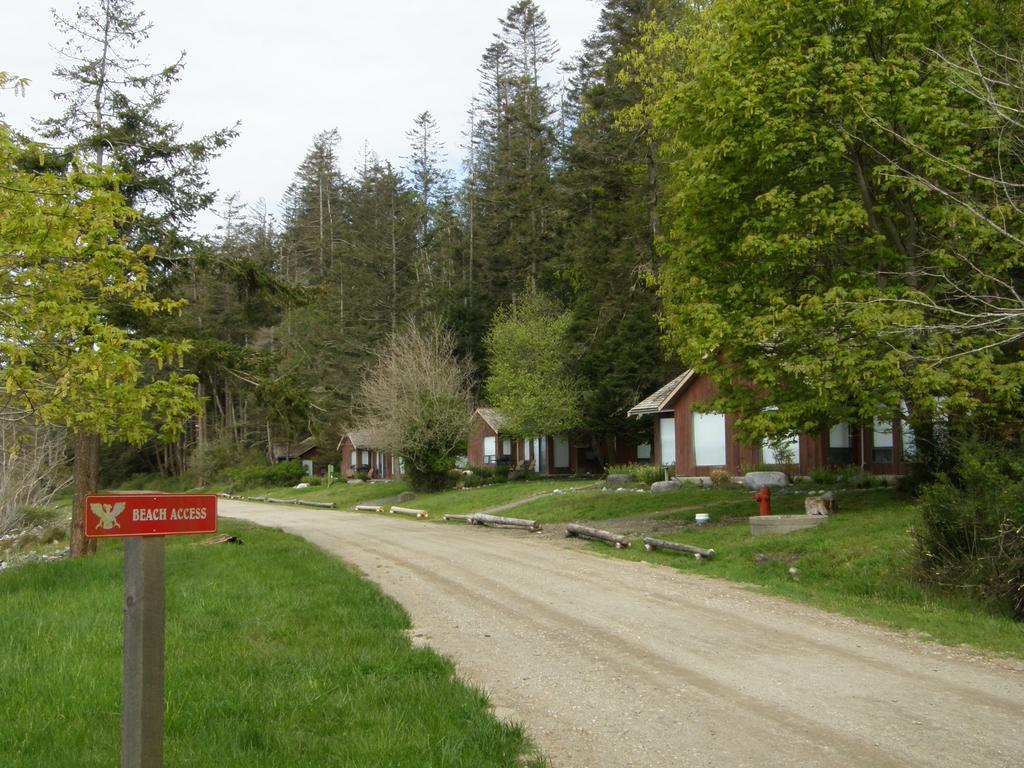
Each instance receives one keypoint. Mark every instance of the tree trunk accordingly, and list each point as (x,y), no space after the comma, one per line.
(86,477)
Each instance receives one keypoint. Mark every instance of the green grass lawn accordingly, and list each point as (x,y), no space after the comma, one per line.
(860,564)
(343,494)
(596,504)
(277,655)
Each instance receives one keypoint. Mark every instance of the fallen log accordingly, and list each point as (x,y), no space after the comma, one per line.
(417,513)
(369,507)
(481,519)
(701,554)
(224,538)
(317,504)
(281,501)
(586,532)
(458,518)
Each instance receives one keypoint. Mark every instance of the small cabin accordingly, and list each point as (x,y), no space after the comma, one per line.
(313,458)
(362,452)
(696,443)
(545,454)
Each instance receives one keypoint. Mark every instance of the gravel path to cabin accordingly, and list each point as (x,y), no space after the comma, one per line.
(609,663)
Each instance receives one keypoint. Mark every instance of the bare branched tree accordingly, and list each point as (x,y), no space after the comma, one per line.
(971,291)
(34,466)
(416,400)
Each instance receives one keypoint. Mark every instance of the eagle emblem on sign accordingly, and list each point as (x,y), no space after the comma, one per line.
(108,514)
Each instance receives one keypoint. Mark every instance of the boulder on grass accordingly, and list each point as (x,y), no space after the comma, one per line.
(664,486)
(754,480)
(620,479)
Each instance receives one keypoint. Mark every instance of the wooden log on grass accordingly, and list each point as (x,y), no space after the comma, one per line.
(514,522)
(417,513)
(318,504)
(270,500)
(369,507)
(701,554)
(586,532)
(458,518)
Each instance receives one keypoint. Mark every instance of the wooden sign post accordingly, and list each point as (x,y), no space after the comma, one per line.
(144,519)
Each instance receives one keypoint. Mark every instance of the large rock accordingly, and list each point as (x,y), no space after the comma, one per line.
(825,504)
(664,486)
(621,479)
(754,480)
(406,496)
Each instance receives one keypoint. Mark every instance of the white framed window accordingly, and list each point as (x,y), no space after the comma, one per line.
(506,446)
(561,453)
(307,464)
(643,452)
(840,444)
(352,458)
(489,449)
(667,441)
(709,439)
(881,442)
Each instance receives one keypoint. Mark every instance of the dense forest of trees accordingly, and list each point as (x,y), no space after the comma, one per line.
(816,203)
(286,314)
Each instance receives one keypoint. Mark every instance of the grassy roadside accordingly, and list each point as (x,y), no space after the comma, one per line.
(277,655)
(859,564)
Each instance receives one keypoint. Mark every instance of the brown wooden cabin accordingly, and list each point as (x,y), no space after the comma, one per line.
(361,452)
(696,443)
(547,455)
(313,458)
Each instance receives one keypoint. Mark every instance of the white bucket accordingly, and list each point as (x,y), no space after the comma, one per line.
(702,518)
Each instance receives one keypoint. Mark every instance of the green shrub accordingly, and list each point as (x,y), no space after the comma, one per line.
(824,475)
(485,476)
(719,477)
(215,456)
(972,526)
(286,474)
(644,473)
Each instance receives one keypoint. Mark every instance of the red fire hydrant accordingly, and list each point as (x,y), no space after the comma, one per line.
(764,500)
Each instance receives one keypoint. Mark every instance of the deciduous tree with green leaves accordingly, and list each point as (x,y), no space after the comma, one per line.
(796,242)
(64,268)
(530,377)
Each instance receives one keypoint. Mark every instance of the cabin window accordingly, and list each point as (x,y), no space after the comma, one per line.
(489,449)
(667,441)
(709,439)
(352,458)
(881,442)
(307,464)
(840,444)
(643,453)
(561,453)
(785,451)
(506,446)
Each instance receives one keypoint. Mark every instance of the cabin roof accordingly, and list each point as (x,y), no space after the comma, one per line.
(661,400)
(494,418)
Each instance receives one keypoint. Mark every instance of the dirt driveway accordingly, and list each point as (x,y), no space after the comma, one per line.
(610,663)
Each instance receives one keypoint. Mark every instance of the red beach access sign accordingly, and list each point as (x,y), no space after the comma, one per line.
(157,514)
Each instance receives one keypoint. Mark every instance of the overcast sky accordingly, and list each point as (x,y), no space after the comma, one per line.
(287,70)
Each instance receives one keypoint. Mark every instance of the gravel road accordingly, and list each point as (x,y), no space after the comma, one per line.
(610,664)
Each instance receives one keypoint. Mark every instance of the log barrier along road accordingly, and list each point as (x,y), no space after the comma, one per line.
(609,663)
